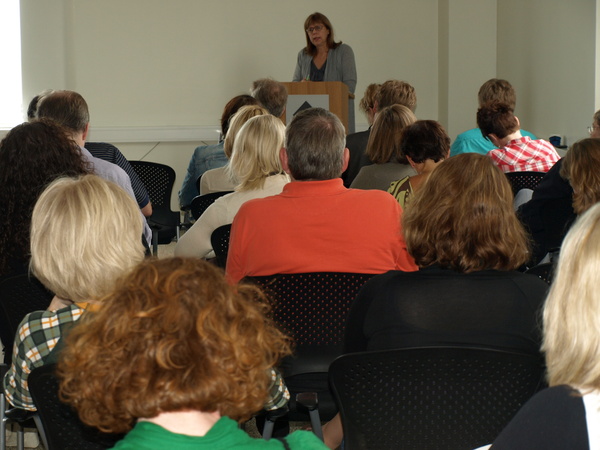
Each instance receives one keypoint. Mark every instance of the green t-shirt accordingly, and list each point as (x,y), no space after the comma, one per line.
(225,434)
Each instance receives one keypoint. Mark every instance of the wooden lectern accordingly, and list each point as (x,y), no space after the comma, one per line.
(304,94)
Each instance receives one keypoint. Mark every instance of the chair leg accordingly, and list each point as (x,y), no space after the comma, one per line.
(3,423)
(41,431)
(310,400)
(155,242)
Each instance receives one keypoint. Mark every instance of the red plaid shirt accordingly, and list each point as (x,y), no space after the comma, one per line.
(525,154)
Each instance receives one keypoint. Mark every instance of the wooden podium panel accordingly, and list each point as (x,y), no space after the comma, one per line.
(336,91)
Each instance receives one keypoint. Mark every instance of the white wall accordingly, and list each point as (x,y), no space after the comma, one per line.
(156,74)
(546,48)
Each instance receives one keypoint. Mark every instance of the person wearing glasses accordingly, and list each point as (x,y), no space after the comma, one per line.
(323,59)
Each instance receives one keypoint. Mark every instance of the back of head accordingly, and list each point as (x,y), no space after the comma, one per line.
(367,103)
(385,137)
(193,343)
(271,94)
(425,139)
(497,90)
(232,107)
(33,104)
(256,151)
(581,166)
(395,92)
(463,219)
(315,141)
(243,114)
(496,118)
(31,156)
(68,108)
(85,233)
(571,333)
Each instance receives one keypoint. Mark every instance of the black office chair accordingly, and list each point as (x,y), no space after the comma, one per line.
(20,294)
(59,425)
(312,308)
(454,398)
(201,202)
(219,240)
(159,180)
(524,180)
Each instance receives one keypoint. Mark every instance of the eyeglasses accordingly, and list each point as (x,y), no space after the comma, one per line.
(315,28)
(593,128)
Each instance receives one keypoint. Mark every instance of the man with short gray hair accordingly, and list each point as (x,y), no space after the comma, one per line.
(316,224)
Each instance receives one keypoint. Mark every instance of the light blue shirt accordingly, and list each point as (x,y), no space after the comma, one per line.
(205,157)
(472,141)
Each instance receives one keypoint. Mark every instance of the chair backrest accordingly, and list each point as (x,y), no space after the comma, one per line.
(219,240)
(61,425)
(312,307)
(20,294)
(431,398)
(524,180)
(201,202)
(159,180)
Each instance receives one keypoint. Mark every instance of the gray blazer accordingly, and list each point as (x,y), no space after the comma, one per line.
(340,67)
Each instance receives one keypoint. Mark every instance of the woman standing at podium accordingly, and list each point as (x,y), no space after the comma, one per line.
(323,59)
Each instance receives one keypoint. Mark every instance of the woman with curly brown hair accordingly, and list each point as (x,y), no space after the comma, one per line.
(461,229)
(31,156)
(179,355)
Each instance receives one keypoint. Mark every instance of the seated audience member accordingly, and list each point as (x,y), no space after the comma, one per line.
(78,250)
(392,92)
(461,229)
(201,349)
(255,163)
(384,150)
(316,224)
(513,152)
(220,179)
(208,157)
(472,141)
(357,142)
(271,94)
(70,110)
(31,156)
(463,234)
(566,415)
(425,145)
(549,213)
(110,153)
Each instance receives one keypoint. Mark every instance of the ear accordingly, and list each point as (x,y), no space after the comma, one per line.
(346,159)
(518,122)
(410,161)
(85,132)
(284,160)
(492,137)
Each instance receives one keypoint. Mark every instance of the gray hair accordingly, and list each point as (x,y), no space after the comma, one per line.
(271,94)
(315,142)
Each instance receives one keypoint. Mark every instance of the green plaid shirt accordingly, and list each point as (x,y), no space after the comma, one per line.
(38,334)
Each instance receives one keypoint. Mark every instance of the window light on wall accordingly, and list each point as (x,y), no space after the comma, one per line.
(11,85)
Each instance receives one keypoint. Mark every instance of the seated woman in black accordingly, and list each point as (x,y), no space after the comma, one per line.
(461,229)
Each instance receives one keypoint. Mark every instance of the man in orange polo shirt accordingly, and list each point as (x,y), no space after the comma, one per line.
(316,224)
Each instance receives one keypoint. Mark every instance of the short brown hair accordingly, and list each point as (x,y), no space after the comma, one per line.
(497,90)
(581,166)
(496,118)
(68,108)
(395,92)
(232,107)
(316,18)
(463,219)
(369,98)
(271,94)
(385,137)
(173,336)
(425,139)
